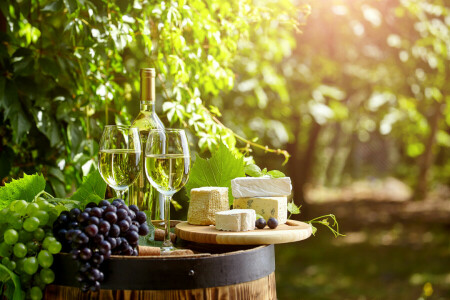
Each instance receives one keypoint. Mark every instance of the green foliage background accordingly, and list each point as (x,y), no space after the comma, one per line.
(362,73)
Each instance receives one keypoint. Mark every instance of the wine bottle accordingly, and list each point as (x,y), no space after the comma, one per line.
(141,192)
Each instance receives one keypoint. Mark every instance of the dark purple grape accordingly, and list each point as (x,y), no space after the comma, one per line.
(143,229)
(124,243)
(70,234)
(85,266)
(123,206)
(136,223)
(114,231)
(134,228)
(104,226)
(112,241)
(104,203)
(133,208)
(111,217)
(131,214)
(81,238)
(97,258)
(104,247)
(128,251)
(118,241)
(124,225)
(88,210)
(121,214)
(74,212)
(107,255)
(75,253)
(260,223)
(118,202)
(272,223)
(79,277)
(63,218)
(73,225)
(85,253)
(128,219)
(95,287)
(135,252)
(93,274)
(83,217)
(101,277)
(96,212)
(84,286)
(98,238)
(61,234)
(94,220)
(91,230)
(111,208)
(91,204)
(141,217)
(132,237)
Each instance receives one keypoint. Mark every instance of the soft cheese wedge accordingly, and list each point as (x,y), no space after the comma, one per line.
(267,207)
(236,220)
(204,204)
(244,187)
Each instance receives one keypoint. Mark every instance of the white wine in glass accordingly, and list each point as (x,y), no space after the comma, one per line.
(119,157)
(167,166)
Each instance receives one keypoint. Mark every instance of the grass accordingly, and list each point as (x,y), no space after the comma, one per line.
(390,263)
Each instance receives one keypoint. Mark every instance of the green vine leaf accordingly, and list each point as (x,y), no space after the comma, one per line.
(92,189)
(25,188)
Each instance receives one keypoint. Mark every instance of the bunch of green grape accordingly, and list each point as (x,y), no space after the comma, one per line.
(27,244)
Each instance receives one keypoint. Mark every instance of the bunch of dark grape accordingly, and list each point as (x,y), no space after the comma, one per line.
(27,244)
(97,232)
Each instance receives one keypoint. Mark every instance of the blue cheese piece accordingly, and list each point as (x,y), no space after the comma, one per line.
(243,187)
(267,207)
(236,220)
(205,202)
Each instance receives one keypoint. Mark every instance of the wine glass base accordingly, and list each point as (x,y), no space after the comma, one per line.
(165,250)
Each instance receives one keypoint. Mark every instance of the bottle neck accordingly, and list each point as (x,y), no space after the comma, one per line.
(147,106)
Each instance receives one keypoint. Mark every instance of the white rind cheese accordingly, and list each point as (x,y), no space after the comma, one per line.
(267,207)
(243,187)
(204,204)
(236,220)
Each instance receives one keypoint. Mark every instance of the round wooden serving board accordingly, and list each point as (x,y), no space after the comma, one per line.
(292,231)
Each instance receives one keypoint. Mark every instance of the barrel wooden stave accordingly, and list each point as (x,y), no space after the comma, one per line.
(260,289)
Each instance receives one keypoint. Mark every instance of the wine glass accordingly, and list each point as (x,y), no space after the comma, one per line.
(120,157)
(167,165)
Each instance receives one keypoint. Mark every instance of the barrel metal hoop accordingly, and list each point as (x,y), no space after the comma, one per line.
(175,274)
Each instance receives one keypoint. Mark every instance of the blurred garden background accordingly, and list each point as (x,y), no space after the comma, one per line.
(350,98)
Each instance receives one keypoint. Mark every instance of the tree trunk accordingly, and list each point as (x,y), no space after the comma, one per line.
(426,160)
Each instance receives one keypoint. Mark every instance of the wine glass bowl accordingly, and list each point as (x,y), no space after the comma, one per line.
(119,157)
(167,166)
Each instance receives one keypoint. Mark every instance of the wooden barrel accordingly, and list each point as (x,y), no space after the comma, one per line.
(228,272)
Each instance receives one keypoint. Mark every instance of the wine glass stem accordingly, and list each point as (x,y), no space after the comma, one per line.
(119,194)
(167,242)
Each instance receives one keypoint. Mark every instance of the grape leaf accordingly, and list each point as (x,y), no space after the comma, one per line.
(253,170)
(276,174)
(25,188)
(293,209)
(92,189)
(14,289)
(219,170)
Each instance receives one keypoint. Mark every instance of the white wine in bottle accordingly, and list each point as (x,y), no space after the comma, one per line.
(141,193)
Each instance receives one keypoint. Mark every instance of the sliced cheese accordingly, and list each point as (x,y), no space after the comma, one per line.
(243,187)
(204,204)
(267,207)
(236,220)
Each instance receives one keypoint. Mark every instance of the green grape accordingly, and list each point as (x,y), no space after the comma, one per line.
(19,265)
(47,241)
(5,249)
(31,224)
(12,265)
(55,247)
(12,204)
(36,293)
(42,216)
(20,206)
(31,208)
(39,234)
(20,250)
(11,236)
(44,205)
(47,276)
(7,263)
(30,265)
(45,259)
(4,215)
(25,236)
(25,279)
(32,247)
(15,221)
